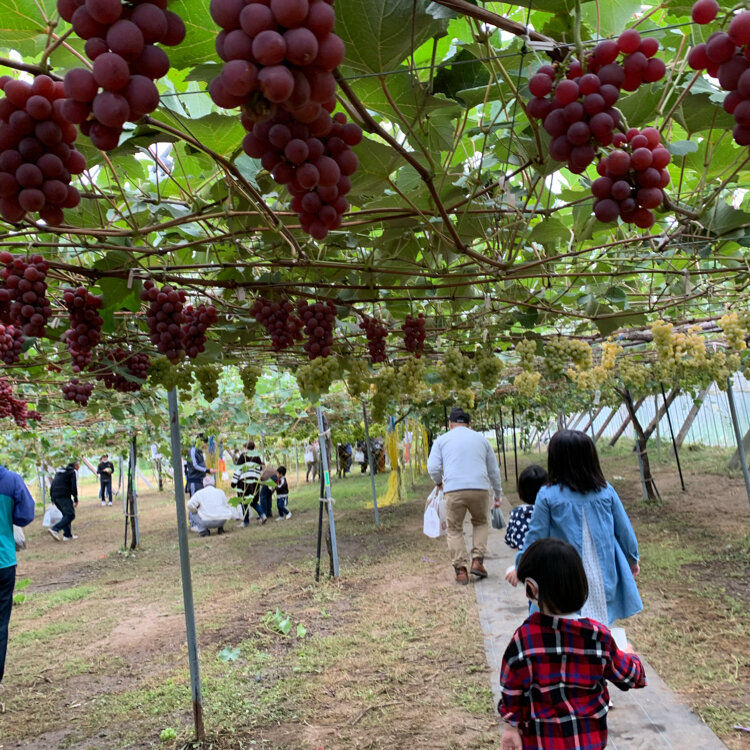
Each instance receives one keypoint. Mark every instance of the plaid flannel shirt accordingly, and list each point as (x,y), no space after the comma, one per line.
(553,682)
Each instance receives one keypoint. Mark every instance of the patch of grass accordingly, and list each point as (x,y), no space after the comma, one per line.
(43,637)
(43,603)
(472,697)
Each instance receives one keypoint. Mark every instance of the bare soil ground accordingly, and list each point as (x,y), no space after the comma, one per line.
(392,653)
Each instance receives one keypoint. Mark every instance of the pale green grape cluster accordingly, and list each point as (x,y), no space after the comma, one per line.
(720,368)
(455,369)
(734,331)
(488,366)
(560,352)
(635,376)
(358,379)
(526,349)
(679,355)
(162,372)
(527,383)
(208,379)
(250,375)
(412,375)
(387,392)
(316,377)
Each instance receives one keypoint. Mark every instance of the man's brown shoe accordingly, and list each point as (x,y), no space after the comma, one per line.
(477,567)
(462,577)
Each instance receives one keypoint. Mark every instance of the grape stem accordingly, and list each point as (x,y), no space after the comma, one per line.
(493,19)
(58,40)
(424,174)
(36,70)
(237,176)
(577,32)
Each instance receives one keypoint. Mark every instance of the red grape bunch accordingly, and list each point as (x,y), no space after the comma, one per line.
(319,319)
(279,320)
(726,56)
(25,288)
(197,320)
(77,391)
(376,333)
(85,325)
(632,178)
(121,41)
(577,111)
(414,334)
(314,161)
(278,54)
(165,318)
(15,408)
(37,156)
(11,343)
(119,361)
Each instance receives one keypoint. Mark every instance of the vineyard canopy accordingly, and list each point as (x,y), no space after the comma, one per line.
(457,210)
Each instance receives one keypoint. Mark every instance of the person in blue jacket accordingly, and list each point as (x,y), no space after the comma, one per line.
(579,506)
(195,466)
(16,507)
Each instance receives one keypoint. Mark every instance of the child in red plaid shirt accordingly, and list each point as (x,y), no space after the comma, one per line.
(554,695)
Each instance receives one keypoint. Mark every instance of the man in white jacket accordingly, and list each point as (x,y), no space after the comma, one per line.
(463,464)
(209,508)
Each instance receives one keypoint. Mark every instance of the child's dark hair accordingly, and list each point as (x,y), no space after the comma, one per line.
(250,445)
(532,479)
(281,471)
(573,462)
(557,568)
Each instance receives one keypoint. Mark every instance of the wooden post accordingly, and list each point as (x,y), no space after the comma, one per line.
(609,418)
(651,489)
(626,422)
(692,414)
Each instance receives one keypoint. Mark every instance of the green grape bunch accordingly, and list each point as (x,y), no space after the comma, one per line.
(488,367)
(250,375)
(163,373)
(527,383)
(455,369)
(316,377)
(208,379)
(388,384)
(526,349)
(358,379)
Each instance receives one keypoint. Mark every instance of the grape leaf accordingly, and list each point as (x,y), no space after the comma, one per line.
(380,34)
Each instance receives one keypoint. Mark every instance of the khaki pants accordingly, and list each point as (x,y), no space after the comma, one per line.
(477,502)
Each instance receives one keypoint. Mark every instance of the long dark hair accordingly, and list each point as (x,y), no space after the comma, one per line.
(573,462)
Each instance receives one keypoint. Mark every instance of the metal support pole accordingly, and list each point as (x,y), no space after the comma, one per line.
(122,483)
(445,416)
(134,468)
(738,436)
(674,444)
(187,583)
(656,427)
(515,449)
(296,460)
(42,486)
(369,463)
(327,477)
(502,442)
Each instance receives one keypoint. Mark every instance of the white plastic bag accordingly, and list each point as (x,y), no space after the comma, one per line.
(434,524)
(51,516)
(19,538)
